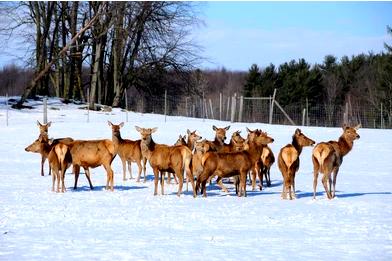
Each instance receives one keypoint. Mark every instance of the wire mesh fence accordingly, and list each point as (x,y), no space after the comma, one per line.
(261,109)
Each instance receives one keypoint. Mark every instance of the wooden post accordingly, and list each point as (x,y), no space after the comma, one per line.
(227,108)
(307,112)
(212,112)
(381,118)
(241,108)
(233,105)
(186,106)
(165,103)
(205,108)
(88,104)
(6,113)
(303,117)
(220,106)
(126,104)
(45,117)
(272,107)
(285,114)
(194,110)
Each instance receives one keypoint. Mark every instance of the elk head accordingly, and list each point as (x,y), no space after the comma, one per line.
(220,133)
(301,139)
(350,133)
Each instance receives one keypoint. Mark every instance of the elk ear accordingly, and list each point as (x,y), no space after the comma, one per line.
(344,126)
(188,131)
(248,130)
(39,124)
(121,124)
(180,137)
(227,128)
(138,129)
(297,131)
(154,129)
(358,126)
(214,127)
(49,123)
(109,123)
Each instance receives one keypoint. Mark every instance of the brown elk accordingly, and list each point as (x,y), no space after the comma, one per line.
(259,164)
(236,143)
(288,162)
(268,159)
(228,164)
(43,132)
(129,151)
(220,136)
(52,152)
(162,158)
(328,156)
(92,153)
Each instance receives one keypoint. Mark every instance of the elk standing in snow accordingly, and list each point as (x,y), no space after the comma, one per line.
(129,151)
(55,153)
(162,158)
(230,164)
(288,161)
(328,156)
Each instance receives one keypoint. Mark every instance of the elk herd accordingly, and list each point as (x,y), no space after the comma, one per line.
(201,160)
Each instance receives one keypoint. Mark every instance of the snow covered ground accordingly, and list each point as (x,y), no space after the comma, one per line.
(132,224)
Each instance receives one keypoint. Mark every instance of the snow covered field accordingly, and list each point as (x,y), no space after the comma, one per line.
(131,224)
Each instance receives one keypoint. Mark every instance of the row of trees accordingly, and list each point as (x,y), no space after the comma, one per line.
(115,45)
(144,47)
(360,81)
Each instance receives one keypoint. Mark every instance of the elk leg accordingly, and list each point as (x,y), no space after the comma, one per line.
(316,167)
(144,168)
(325,184)
(335,175)
(87,171)
(168,178)
(109,179)
(156,176)
(191,179)
(220,183)
(77,170)
(253,178)
(53,182)
(139,173)
(57,174)
(130,169)
(62,173)
(180,181)
(42,165)
(123,161)
(260,174)
(163,182)
(293,186)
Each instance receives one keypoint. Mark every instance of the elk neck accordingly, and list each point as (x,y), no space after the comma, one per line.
(345,145)
(296,145)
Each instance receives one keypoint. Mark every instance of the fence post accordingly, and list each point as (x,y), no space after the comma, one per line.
(303,117)
(212,112)
(126,104)
(233,105)
(272,107)
(165,103)
(381,118)
(45,119)
(6,105)
(228,108)
(186,106)
(88,104)
(220,106)
(307,112)
(205,108)
(241,108)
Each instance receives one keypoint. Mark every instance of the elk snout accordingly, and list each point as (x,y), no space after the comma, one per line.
(358,136)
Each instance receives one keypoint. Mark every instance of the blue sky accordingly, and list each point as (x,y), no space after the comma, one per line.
(238,34)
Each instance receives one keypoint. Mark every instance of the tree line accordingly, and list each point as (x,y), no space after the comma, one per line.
(144,49)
